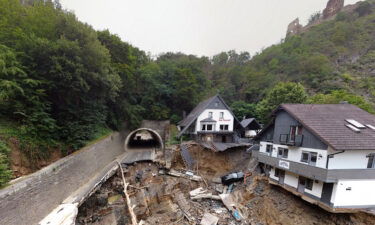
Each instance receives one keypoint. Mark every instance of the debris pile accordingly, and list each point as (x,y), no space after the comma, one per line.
(174,194)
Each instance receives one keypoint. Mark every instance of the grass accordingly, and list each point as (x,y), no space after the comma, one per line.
(101,132)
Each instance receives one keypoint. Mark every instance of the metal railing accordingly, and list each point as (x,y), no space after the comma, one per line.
(295,140)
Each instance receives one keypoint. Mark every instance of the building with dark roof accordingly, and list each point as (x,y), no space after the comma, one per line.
(250,127)
(212,123)
(321,152)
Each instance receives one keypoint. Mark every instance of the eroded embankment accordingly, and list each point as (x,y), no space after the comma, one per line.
(164,199)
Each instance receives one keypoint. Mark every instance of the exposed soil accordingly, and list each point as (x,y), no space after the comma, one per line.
(164,199)
(21,165)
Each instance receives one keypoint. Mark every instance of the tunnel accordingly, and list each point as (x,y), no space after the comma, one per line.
(143,139)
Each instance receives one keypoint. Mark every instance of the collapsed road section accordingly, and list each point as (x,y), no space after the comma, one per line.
(161,194)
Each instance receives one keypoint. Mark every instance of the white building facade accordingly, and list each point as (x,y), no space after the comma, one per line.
(210,121)
(306,157)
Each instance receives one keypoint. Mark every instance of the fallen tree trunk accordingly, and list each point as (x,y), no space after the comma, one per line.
(130,207)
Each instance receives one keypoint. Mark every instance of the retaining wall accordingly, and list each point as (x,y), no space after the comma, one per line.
(30,199)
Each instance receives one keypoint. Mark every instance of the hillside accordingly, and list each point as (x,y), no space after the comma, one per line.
(336,54)
(63,84)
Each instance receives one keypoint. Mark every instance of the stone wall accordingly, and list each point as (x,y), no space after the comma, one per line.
(30,199)
(294,27)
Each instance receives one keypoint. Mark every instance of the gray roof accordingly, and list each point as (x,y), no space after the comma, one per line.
(327,122)
(195,112)
(198,110)
(248,121)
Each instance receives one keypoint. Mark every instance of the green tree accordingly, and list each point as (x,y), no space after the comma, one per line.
(338,96)
(287,92)
(243,109)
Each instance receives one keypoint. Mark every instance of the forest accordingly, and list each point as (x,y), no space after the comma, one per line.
(64,84)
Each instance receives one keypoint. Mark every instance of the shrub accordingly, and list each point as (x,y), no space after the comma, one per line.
(5,172)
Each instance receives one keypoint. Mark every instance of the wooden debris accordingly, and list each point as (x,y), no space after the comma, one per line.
(200,193)
(130,207)
(231,206)
(179,174)
(209,219)
(210,196)
(183,205)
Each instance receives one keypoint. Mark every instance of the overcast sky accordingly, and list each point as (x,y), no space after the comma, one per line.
(200,27)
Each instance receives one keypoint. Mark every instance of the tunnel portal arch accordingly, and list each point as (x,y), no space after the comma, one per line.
(143,138)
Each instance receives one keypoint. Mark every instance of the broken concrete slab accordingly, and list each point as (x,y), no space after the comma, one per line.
(175,173)
(64,214)
(231,205)
(209,219)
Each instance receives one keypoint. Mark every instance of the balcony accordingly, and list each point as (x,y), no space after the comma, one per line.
(215,132)
(295,140)
(313,172)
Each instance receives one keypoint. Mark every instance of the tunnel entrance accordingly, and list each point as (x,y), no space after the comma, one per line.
(143,139)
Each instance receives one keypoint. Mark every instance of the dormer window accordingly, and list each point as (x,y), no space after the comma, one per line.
(221,115)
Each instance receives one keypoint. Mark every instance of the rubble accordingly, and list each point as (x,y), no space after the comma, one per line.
(209,219)
(171,196)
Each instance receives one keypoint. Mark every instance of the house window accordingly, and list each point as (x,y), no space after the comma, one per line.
(305,157)
(209,127)
(371,162)
(221,115)
(269,149)
(224,127)
(282,153)
(204,127)
(210,114)
(309,184)
(309,157)
(294,130)
(277,172)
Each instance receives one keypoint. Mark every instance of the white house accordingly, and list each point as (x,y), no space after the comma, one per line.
(323,153)
(212,121)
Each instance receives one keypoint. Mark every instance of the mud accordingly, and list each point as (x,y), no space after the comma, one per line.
(163,199)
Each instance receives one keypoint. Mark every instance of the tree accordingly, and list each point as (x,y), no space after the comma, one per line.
(314,17)
(338,96)
(287,92)
(364,8)
(243,109)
